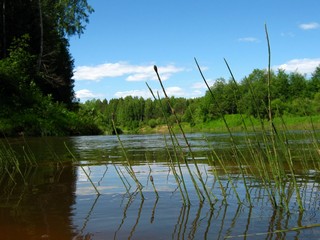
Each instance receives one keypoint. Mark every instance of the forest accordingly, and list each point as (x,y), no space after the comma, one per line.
(36,67)
(293,95)
(37,95)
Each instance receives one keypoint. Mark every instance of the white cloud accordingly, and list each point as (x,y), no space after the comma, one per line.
(171,91)
(248,39)
(309,26)
(84,93)
(132,72)
(202,85)
(87,94)
(303,66)
(175,92)
(134,93)
(287,34)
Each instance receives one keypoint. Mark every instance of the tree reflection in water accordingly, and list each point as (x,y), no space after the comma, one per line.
(55,200)
(37,203)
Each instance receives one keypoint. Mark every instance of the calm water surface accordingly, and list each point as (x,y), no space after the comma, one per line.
(56,200)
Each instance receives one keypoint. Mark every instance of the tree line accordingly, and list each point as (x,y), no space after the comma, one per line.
(36,67)
(292,94)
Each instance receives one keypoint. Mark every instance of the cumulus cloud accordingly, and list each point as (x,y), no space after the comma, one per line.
(202,85)
(303,66)
(309,26)
(171,91)
(175,91)
(118,69)
(87,94)
(84,93)
(134,93)
(248,39)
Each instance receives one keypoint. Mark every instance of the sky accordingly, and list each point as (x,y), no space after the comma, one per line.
(124,39)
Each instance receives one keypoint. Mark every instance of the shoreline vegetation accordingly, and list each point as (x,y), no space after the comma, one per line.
(134,115)
(291,98)
(235,125)
(298,123)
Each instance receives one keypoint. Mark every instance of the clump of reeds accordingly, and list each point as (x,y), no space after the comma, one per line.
(10,161)
(197,177)
(270,154)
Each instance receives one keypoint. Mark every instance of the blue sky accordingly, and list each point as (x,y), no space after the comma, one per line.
(115,56)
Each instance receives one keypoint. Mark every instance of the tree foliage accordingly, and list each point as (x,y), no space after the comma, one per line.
(35,64)
(291,94)
(47,23)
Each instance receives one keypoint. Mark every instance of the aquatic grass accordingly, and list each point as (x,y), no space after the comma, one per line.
(124,216)
(234,147)
(199,175)
(287,154)
(316,145)
(297,228)
(274,133)
(154,210)
(268,160)
(154,187)
(123,178)
(29,156)
(274,154)
(150,177)
(230,179)
(261,154)
(86,219)
(9,160)
(129,166)
(74,159)
(178,178)
(217,179)
(137,219)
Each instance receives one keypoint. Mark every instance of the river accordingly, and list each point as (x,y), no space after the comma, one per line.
(87,187)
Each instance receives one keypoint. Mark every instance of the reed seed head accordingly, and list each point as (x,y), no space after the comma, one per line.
(155,68)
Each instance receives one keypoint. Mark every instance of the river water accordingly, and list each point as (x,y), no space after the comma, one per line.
(81,188)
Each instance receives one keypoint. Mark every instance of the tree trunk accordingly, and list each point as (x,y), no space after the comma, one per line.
(4,40)
(41,36)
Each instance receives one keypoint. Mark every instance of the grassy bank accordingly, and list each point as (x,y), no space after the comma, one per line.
(236,123)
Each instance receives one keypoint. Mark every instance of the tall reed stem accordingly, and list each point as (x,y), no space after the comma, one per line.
(85,172)
(234,145)
(189,148)
(183,191)
(129,167)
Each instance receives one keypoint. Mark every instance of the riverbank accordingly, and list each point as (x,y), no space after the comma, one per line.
(236,123)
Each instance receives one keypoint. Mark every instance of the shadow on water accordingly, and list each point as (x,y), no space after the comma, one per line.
(38,206)
(55,200)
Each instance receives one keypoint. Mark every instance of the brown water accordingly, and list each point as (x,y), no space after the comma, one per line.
(55,200)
